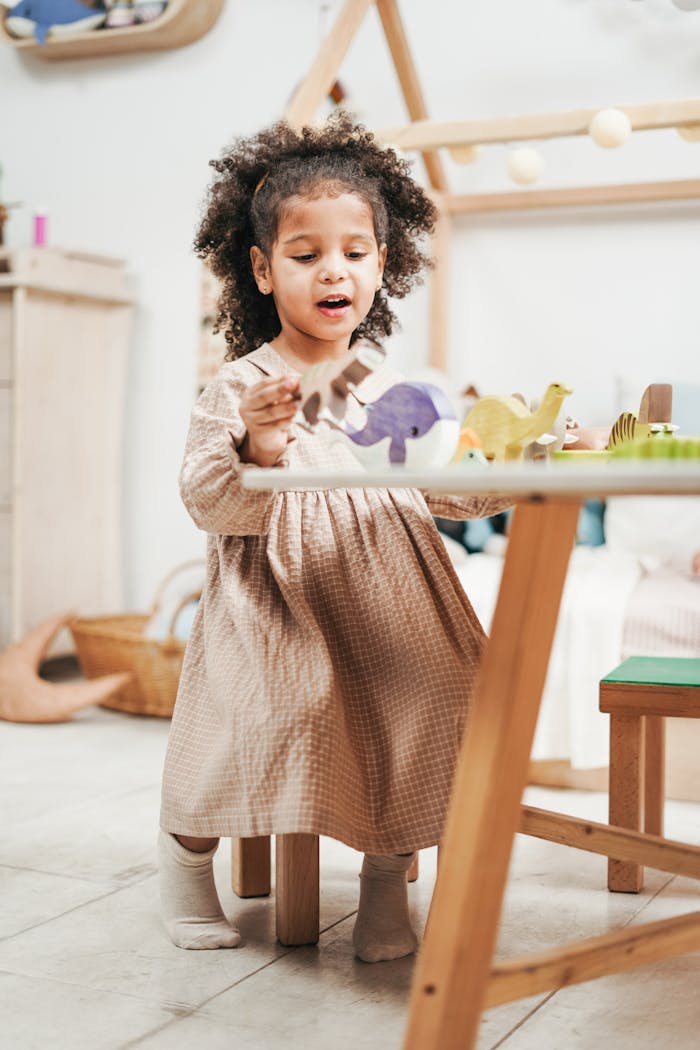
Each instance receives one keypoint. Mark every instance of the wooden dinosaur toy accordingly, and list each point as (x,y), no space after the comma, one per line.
(324,388)
(505,425)
(546,444)
(654,417)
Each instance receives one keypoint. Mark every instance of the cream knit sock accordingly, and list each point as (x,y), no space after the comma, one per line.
(190,904)
(383,928)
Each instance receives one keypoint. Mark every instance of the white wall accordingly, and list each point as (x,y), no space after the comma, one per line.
(117,149)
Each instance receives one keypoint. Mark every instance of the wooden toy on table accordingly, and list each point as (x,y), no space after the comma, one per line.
(656,405)
(654,417)
(544,446)
(650,447)
(324,388)
(588,439)
(469,448)
(473,457)
(411,424)
(505,426)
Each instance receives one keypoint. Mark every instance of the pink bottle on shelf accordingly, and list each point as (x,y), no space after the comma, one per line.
(40,231)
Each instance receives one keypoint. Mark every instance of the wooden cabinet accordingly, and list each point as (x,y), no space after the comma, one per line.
(64,327)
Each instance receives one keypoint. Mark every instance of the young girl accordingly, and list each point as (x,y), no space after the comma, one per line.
(326,682)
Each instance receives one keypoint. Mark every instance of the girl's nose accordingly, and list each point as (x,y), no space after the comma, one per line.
(333,270)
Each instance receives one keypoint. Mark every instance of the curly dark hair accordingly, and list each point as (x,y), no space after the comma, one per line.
(245,202)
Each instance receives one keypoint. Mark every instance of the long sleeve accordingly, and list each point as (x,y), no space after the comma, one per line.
(210,478)
(460,508)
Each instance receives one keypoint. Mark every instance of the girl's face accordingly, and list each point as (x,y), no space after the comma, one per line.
(324,271)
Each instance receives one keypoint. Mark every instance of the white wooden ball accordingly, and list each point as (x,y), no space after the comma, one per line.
(525,165)
(689,132)
(610,128)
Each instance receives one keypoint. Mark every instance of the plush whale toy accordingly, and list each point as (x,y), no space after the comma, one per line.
(40,17)
(411,424)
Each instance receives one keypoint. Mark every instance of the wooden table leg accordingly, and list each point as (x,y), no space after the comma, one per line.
(297,888)
(654,773)
(454,964)
(250,866)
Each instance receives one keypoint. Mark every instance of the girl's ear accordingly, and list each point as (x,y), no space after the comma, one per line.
(261,269)
(382,261)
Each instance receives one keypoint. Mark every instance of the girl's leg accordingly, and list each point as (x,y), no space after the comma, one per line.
(383,928)
(190,904)
(197,845)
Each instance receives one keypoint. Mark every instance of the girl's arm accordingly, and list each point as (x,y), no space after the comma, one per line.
(210,478)
(459,508)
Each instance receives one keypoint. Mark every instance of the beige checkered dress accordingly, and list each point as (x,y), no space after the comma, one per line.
(327,679)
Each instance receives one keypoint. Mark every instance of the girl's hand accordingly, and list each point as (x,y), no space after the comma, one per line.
(267,409)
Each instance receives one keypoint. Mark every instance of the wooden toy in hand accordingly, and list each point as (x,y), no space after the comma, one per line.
(324,388)
(505,425)
(411,424)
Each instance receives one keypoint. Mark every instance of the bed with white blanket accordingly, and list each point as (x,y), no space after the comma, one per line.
(636,594)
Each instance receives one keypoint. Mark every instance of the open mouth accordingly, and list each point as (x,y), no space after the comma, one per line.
(334,305)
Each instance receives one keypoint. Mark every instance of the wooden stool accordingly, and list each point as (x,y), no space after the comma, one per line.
(638,695)
(296,881)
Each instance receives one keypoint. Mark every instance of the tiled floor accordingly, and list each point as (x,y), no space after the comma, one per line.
(85,964)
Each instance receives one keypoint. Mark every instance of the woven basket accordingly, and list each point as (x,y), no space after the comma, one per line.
(117,643)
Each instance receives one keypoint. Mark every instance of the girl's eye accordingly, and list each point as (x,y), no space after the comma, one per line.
(356,255)
(304,258)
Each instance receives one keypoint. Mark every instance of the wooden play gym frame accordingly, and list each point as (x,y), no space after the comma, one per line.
(428,136)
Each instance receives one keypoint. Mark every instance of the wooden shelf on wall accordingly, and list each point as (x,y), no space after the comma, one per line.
(182,22)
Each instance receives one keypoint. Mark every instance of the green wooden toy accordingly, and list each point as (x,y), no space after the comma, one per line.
(659,447)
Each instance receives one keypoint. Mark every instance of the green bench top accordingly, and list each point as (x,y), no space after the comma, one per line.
(657,670)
